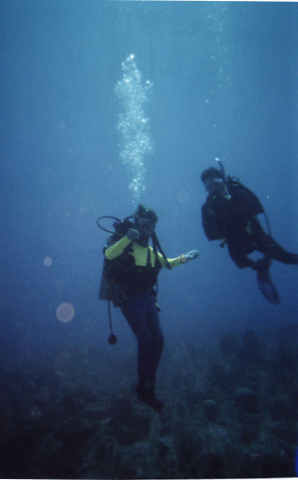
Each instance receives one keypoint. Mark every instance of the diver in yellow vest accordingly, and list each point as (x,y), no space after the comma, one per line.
(131,270)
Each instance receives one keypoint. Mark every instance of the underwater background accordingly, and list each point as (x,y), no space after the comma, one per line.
(105,105)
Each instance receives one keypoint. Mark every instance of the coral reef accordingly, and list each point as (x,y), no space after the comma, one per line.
(230,411)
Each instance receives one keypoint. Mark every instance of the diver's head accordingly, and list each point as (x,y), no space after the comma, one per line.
(145,220)
(213,179)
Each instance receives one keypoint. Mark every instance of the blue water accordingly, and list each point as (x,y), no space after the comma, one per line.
(224,85)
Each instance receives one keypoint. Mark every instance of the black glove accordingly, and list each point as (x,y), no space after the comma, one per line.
(133,234)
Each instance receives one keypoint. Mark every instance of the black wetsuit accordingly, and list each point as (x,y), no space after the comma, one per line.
(234,220)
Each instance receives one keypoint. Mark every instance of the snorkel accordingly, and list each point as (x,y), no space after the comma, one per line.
(227,195)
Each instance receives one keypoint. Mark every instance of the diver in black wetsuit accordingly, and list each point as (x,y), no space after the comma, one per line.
(230,214)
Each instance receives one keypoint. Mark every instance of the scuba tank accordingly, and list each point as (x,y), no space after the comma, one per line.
(108,289)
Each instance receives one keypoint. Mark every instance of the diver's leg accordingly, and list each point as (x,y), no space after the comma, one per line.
(149,350)
(134,312)
(268,246)
(239,257)
(275,251)
(157,336)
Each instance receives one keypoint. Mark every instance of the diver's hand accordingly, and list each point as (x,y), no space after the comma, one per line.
(133,234)
(191,255)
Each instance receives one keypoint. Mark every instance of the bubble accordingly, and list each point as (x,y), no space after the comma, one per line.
(48,261)
(133,124)
(65,312)
(183,196)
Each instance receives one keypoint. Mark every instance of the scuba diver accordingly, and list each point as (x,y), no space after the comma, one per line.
(130,272)
(230,214)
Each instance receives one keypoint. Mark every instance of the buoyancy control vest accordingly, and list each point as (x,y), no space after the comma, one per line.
(246,201)
(121,277)
(221,214)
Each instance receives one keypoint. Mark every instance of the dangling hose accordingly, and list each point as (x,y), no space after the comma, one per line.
(107,216)
(112,338)
(157,244)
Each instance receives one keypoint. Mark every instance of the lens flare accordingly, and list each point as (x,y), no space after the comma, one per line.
(65,312)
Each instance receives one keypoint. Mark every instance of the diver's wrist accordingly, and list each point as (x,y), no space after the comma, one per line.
(183,258)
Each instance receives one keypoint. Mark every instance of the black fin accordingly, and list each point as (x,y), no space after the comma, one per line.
(267,288)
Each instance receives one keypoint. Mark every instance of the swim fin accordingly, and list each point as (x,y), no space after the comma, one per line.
(267,288)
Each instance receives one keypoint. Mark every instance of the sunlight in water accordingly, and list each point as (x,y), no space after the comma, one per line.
(133,125)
